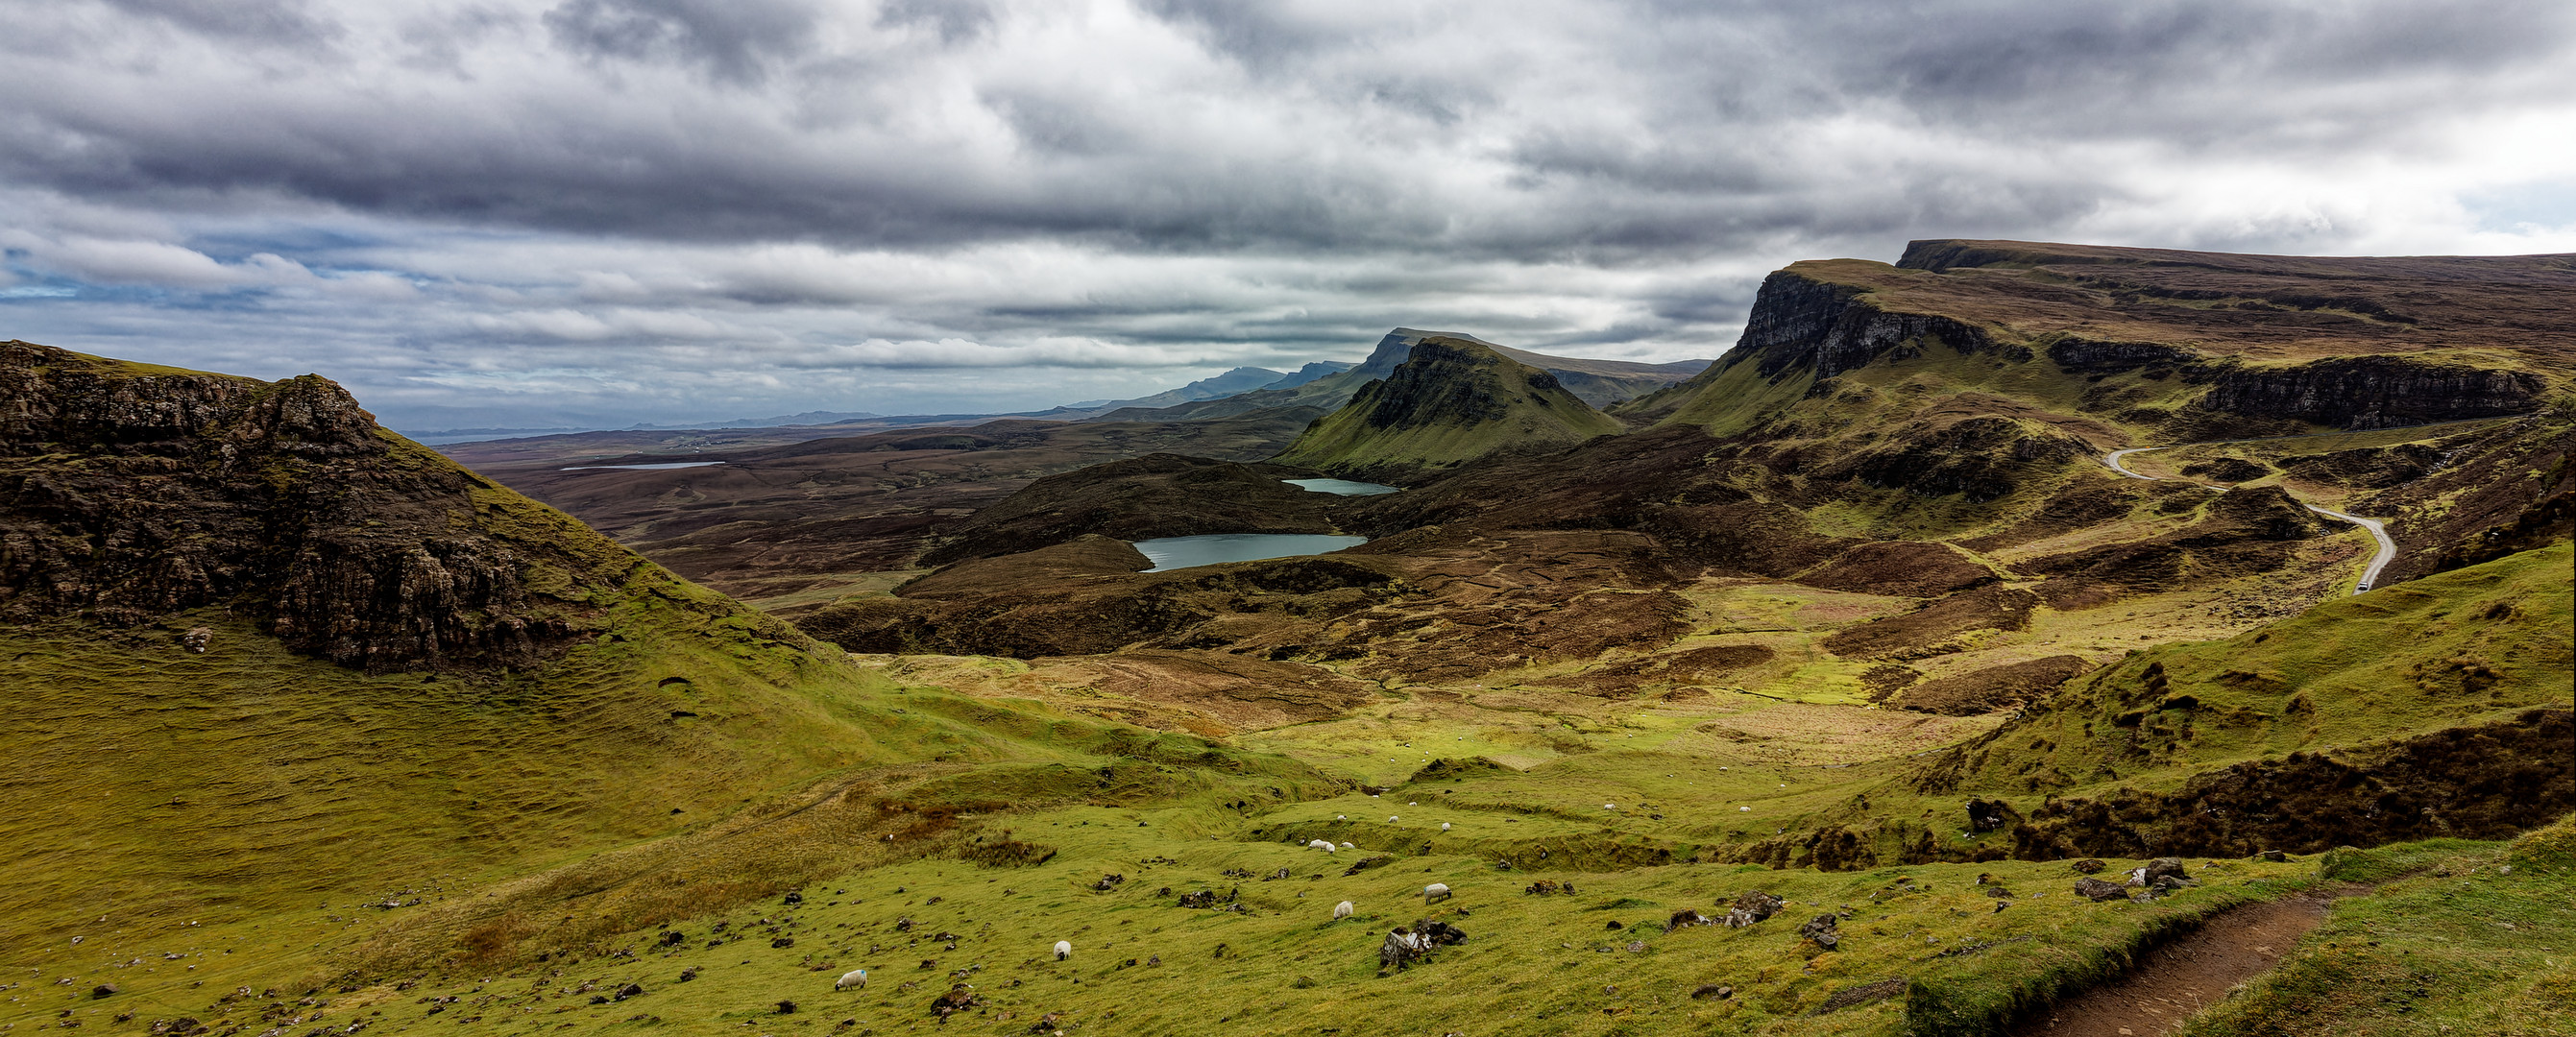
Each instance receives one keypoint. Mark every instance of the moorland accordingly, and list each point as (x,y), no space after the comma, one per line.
(1982,632)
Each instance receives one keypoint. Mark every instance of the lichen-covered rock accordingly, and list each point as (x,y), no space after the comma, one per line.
(2099,890)
(1751,906)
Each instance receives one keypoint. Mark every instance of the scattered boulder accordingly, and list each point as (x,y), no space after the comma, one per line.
(197,638)
(1751,906)
(630,990)
(1410,945)
(1365,863)
(959,998)
(795,898)
(783,941)
(1987,816)
(787,1008)
(2098,890)
(674,938)
(184,1026)
(1712,992)
(1108,882)
(102,990)
(1205,898)
(1820,931)
(1687,916)
(2089,866)
(2274,856)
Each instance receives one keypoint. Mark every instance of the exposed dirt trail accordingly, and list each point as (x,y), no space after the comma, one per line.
(2174,981)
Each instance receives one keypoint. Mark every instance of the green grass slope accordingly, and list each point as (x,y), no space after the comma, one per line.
(292,697)
(2457,937)
(1454,401)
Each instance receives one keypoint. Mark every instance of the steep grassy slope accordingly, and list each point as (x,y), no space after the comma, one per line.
(1454,401)
(266,655)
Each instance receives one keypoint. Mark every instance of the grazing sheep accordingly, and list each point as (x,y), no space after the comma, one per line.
(1444,826)
(1342,910)
(1348,846)
(854,978)
(1318,844)
(1063,949)
(1435,892)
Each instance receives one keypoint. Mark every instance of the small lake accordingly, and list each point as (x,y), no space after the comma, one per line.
(640,467)
(1342,487)
(1218,548)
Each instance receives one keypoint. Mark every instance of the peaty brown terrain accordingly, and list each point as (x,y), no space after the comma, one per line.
(1923,445)
(823,513)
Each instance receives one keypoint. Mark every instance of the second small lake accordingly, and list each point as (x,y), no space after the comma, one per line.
(1218,548)
(1342,487)
(664,466)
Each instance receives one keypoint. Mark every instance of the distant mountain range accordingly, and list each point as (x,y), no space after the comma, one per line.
(1324,384)
(811,417)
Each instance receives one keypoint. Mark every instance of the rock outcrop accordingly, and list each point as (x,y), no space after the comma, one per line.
(1454,401)
(134,492)
(2367,392)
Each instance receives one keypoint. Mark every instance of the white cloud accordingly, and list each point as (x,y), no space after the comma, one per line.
(763,207)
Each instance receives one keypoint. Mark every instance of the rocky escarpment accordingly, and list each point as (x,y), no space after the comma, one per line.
(133,492)
(1800,323)
(2367,392)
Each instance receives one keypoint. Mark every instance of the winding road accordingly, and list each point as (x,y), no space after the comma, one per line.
(2377,529)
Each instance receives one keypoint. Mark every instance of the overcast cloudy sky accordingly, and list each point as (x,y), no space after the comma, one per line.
(609,211)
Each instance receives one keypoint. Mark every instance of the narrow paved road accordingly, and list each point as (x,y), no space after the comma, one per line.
(2377,529)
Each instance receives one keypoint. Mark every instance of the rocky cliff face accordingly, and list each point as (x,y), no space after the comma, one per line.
(2366,392)
(130,492)
(1800,323)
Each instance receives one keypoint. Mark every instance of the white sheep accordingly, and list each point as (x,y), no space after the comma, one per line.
(1435,892)
(1348,846)
(1444,826)
(1318,844)
(853,978)
(1342,910)
(1391,818)
(1063,949)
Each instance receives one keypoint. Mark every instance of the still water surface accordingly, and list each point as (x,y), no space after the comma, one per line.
(1342,487)
(1217,548)
(641,467)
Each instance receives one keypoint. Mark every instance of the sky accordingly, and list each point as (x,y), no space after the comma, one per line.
(489,213)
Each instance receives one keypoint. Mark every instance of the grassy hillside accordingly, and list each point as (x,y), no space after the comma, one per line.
(2458,648)
(1454,401)
(2457,937)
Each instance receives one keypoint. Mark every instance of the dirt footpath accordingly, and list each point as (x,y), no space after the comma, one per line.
(2180,978)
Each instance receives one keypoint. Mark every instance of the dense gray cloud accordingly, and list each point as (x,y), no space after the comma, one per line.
(602,211)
